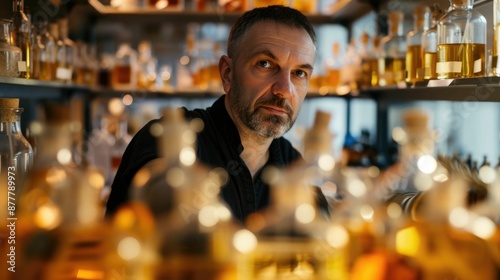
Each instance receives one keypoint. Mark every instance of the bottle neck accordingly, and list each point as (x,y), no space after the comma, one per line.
(395,28)
(10,121)
(421,23)
(462,4)
(4,32)
(18,6)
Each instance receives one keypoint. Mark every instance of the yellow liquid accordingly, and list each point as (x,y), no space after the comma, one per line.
(22,40)
(430,65)
(391,70)
(305,6)
(333,77)
(460,61)
(265,3)
(373,68)
(494,67)
(414,70)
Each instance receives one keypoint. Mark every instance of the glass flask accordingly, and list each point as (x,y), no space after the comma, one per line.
(146,64)
(429,44)
(495,64)
(461,49)
(38,53)
(333,67)
(122,139)
(366,53)
(67,73)
(414,66)
(193,229)
(10,55)
(391,64)
(187,76)
(125,67)
(20,31)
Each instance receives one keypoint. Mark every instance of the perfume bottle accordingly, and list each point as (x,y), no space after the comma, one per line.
(20,35)
(461,42)
(393,52)
(414,66)
(429,44)
(68,72)
(10,55)
(124,74)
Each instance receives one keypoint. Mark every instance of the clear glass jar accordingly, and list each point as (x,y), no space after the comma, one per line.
(391,64)
(10,55)
(414,66)
(461,49)
(429,44)
(20,31)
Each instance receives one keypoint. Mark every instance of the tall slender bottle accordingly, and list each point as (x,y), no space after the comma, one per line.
(20,36)
(393,52)
(495,64)
(429,44)
(69,74)
(10,55)
(461,42)
(414,66)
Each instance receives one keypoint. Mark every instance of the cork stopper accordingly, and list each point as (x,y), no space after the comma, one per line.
(415,120)
(8,103)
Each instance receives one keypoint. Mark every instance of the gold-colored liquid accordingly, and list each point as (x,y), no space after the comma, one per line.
(391,71)
(121,75)
(369,75)
(305,6)
(85,76)
(22,40)
(461,61)
(430,65)
(333,78)
(414,69)
(265,3)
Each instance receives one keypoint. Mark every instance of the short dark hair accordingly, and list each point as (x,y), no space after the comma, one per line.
(276,13)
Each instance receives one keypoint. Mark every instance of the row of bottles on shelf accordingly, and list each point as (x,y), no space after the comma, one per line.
(441,46)
(177,226)
(305,6)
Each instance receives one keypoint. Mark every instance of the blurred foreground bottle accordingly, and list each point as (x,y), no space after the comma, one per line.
(20,31)
(391,65)
(10,55)
(193,229)
(461,42)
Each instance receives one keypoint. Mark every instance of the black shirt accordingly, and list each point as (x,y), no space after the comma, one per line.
(218,145)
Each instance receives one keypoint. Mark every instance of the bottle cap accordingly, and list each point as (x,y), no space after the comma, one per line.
(8,103)
(415,120)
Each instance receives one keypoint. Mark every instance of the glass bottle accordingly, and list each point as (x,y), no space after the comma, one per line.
(10,55)
(187,75)
(122,139)
(414,66)
(461,42)
(146,64)
(391,65)
(20,36)
(124,74)
(69,73)
(365,54)
(495,64)
(429,44)
(38,54)
(193,229)
(333,66)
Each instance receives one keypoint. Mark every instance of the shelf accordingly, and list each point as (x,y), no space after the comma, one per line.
(35,89)
(340,12)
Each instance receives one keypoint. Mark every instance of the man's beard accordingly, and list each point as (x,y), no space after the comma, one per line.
(266,125)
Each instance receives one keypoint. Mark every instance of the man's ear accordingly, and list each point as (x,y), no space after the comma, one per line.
(225,70)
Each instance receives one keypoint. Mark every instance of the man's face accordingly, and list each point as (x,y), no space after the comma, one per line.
(270,78)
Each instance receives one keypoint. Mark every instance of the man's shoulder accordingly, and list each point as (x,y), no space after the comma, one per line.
(288,152)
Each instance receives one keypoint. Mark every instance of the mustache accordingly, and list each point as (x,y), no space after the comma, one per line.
(276,102)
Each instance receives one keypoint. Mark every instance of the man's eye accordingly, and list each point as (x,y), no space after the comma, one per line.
(300,73)
(264,63)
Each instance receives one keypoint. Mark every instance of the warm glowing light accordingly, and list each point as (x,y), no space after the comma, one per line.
(329,188)
(141,178)
(407,241)
(305,213)
(357,188)
(125,219)
(64,156)
(116,106)
(343,90)
(187,156)
(337,236)
(86,214)
(219,176)
(459,217)
(196,125)
(165,75)
(129,248)
(244,241)
(394,210)
(399,135)
(423,182)
(176,177)
(48,216)
(487,174)
(427,164)
(75,126)
(156,129)
(36,128)
(223,213)
(440,176)
(208,216)
(483,227)
(161,4)
(373,171)
(326,162)
(189,137)
(127,100)
(184,60)
(96,180)
(89,274)
(55,176)
(366,212)
(323,90)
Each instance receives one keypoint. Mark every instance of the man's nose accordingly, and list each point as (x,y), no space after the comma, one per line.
(283,86)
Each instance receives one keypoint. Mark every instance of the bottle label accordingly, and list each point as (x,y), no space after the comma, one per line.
(21,66)
(477,66)
(63,73)
(449,67)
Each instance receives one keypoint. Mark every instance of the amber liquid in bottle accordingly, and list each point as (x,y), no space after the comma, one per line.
(22,40)
(461,61)
(333,77)
(391,70)
(430,65)
(414,69)
(373,68)
(121,75)
(494,60)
